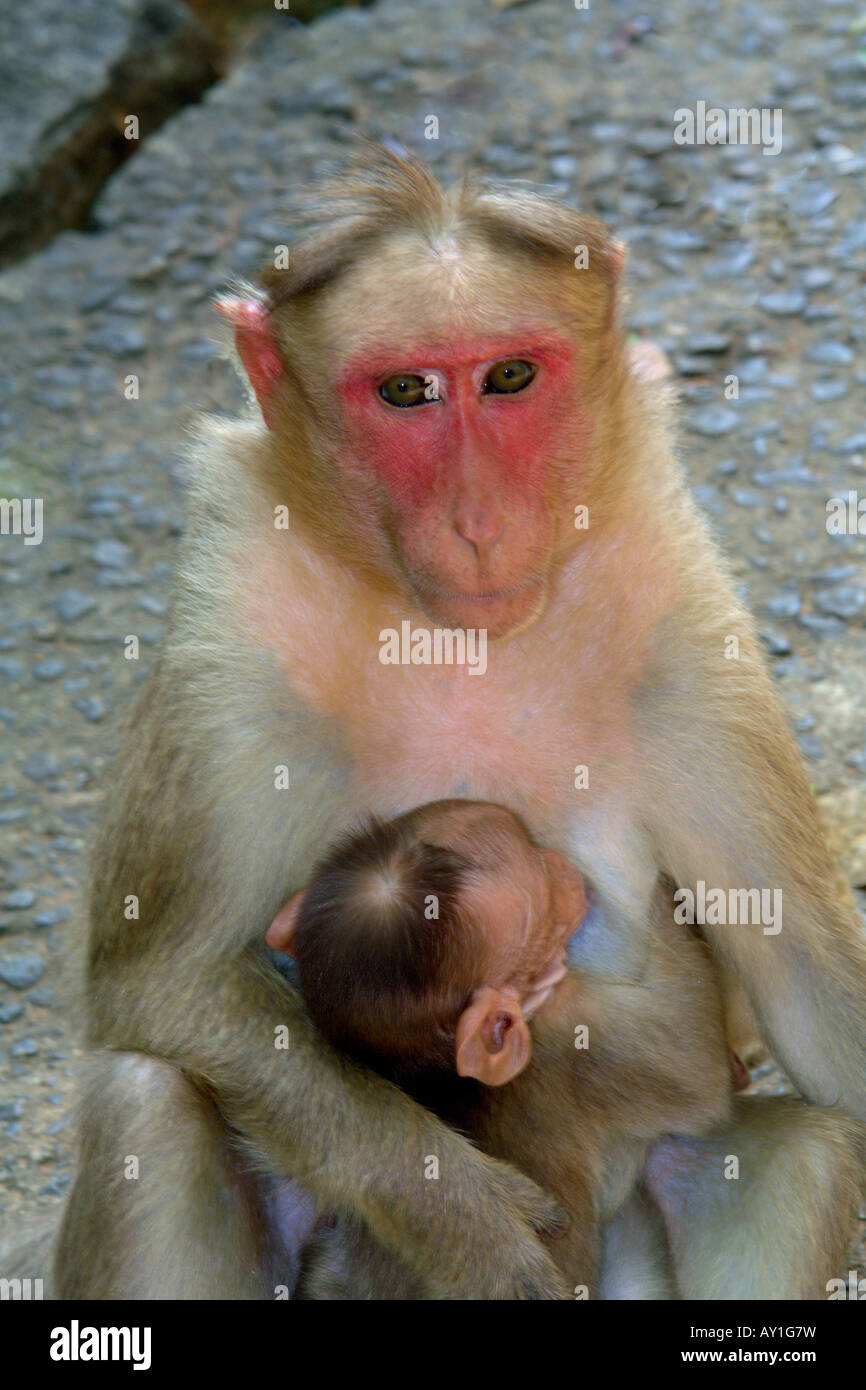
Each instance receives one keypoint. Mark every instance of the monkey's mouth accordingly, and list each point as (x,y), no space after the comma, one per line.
(499,611)
(490,596)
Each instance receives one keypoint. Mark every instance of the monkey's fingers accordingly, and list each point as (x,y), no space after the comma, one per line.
(541,1211)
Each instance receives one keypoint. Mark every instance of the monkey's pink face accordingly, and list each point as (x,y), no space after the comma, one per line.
(464,439)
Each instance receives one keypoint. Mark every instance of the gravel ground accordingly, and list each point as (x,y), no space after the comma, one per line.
(740,263)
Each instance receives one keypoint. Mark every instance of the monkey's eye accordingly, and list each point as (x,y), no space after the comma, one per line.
(507,377)
(403,389)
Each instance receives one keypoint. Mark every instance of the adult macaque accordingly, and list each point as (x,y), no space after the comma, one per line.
(425,946)
(448,414)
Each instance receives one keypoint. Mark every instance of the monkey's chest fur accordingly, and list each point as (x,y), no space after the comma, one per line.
(538,730)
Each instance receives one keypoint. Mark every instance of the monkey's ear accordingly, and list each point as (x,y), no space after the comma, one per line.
(493,1041)
(616,254)
(281,933)
(256,347)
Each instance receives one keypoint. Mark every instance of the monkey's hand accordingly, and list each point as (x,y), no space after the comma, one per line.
(513,1211)
(465,1224)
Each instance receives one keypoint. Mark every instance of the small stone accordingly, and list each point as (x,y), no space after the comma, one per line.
(53,916)
(785,604)
(20,972)
(687,365)
(829,390)
(157,606)
(811,746)
(815,200)
(26,1047)
(117,340)
(680,239)
(836,574)
(652,141)
(830,354)
(752,369)
(50,670)
(845,601)
(714,420)
(817,277)
(92,707)
(39,767)
(563,166)
(820,313)
(821,625)
(854,444)
(72,605)
(11,1110)
(786,302)
(19,899)
(792,474)
(776,644)
(111,554)
(712,343)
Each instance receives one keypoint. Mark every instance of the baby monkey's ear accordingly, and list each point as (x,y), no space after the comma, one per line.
(281,932)
(493,1041)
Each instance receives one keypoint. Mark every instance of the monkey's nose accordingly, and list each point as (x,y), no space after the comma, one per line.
(479,530)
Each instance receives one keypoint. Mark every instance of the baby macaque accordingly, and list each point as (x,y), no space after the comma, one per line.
(426,947)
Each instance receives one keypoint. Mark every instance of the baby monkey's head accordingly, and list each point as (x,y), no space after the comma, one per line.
(425,943)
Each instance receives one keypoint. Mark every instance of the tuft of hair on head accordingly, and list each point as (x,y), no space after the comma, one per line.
(383,191)
(388,957)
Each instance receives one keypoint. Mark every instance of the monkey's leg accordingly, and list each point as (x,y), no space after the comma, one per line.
(344,1262)
(161,1207)
(774,1224)
(635,1261)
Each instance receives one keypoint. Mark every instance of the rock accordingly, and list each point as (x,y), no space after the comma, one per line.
(111,554)
(784,303)
(19,899)
(855,444)
(701,344)
(845,601)
(20,972)
(713,420)
(50,670)
(776,644)
(817,277)
(830,354)
(829,390)
(785,604)
(41,767)
(92,707)
(72,604)
(68,73)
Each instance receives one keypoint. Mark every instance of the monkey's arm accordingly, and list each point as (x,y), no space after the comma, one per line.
(359,1144)
(733,809)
